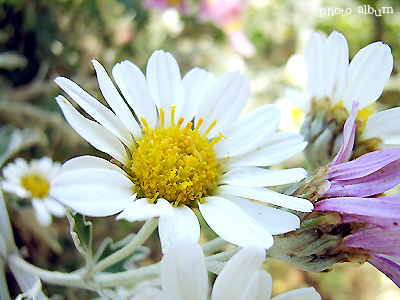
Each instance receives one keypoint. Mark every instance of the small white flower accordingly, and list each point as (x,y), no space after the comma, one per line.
(182,149)
(363,80)
(32,181)
(330,74)
(184,276)
(334,85)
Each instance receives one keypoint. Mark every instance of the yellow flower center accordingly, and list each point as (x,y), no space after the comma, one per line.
(36,184)
(176,163)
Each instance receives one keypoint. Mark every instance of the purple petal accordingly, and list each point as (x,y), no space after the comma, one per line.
(372,184)
(364,165)
(382,222)
(387,267)
(375,240)
(383,207)
(349,132)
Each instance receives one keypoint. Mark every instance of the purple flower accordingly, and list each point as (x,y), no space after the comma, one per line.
(356,192)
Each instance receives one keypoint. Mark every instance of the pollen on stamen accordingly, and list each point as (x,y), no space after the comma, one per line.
(175,163)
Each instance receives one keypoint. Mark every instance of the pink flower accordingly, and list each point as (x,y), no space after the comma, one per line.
(355,192)
(181,5)
(221,12)
(227,15)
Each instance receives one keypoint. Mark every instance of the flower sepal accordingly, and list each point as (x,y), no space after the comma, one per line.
(316,245)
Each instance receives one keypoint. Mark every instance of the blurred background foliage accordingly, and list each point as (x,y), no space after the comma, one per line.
(42,39)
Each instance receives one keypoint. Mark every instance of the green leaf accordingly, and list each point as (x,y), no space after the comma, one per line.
(81,233)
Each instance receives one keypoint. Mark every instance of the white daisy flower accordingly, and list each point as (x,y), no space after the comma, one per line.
(333,86)
(178,147)
(330,74)
(32,181)
(184,276)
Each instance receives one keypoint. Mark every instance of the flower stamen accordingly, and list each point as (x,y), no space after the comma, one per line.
(175,163)
(210,127)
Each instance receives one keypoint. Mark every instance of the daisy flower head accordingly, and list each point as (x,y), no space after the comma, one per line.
(177,146)
(353,220)
(32,181)
(184,276)
(334,85)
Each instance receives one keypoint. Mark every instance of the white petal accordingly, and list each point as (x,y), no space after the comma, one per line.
(259,288)
(257,177)
(53,172)
(142,209)
(165,83)
(223,101)
(195,83)
(234,225)
(249,132)
(369,71)
(183,271)
(44,164)
(268,196)
(384,124)
(393,142)
(336,62)
(133,86)
(114,99)
(95,109)
(93,191)
(182,224)
(282,146)
(95,134)
(15,188)
(55,208)
(237,273)
(41,212)
(314,62)
(276,221)
(89,162)
(15,171)
(299,294)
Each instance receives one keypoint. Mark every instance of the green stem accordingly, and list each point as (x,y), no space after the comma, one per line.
(214,245)
(143,234)
(223,256)
(76,280)
(128,277)
(4,294)
(52,277)
(5,227)
(101,280)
